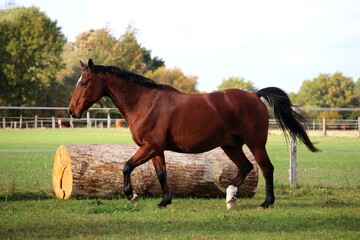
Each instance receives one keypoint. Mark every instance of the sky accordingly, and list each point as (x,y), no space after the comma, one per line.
(277,43)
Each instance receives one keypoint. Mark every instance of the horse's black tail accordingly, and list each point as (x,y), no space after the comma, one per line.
(286,117)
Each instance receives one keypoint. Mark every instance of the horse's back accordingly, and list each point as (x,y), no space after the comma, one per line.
(238,103)
(230,105)
(216,116)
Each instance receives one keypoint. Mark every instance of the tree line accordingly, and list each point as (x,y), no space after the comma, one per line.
(39,67)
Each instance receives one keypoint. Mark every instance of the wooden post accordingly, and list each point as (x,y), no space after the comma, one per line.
(88,120)
(293,162)
(35,121)
(108,120)
(293,155)
(53,122)
(20,123)
(324,127)
(4,123)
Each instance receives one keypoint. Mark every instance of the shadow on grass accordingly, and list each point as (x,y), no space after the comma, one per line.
(25,196)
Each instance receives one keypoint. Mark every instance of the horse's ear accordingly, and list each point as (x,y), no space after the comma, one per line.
(90,64)
(83,65)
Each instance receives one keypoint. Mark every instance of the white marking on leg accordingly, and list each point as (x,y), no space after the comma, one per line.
(135,198)
(231,192)
(230,196)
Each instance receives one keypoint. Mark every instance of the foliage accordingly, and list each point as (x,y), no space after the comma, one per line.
(174,77)
(328,90)
(357,93)
(30,48)
(105,49)
(132,56)
(237,82)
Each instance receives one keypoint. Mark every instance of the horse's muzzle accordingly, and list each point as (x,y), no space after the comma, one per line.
(72,114)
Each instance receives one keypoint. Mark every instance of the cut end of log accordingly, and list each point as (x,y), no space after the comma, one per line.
(62,174)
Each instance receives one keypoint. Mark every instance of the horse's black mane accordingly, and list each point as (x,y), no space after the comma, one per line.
(131,76)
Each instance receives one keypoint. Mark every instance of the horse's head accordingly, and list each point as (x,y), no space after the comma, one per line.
(89,90)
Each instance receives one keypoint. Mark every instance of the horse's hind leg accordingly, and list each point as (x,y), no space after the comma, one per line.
(159,164)
(267,169)
(244,166)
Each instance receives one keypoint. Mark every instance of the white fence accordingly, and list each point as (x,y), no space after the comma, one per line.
(17,121)
(11,117)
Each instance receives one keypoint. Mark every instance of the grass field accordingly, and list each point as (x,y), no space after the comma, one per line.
(326,205)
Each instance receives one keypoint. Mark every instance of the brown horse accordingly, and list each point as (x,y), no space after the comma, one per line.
(162,118)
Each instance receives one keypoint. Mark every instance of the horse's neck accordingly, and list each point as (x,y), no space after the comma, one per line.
(126,96)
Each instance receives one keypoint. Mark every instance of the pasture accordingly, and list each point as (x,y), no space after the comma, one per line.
(326,205)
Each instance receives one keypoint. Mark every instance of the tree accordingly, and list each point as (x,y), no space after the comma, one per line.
(237,82)
(105,49)
(174,77)
(30,48)
(357,93)
(328,90)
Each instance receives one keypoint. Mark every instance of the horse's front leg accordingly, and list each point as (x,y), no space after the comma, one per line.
(159,164)
(142,155)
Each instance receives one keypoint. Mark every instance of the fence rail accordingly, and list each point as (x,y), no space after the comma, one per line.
(112,117)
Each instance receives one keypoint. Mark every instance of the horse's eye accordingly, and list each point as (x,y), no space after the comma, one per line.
(84,85)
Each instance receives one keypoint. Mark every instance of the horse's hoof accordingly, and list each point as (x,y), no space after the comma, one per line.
(135,199)
(160,206)
(163,203)
(265,205)
(230,204)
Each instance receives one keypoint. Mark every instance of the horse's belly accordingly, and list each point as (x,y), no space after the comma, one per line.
(196,141)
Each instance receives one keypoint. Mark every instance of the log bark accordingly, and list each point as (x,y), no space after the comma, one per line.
(96,171)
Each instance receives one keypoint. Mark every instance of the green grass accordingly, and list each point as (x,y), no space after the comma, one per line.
(51,139)
(326,205)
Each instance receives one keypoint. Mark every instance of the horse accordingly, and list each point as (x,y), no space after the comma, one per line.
(162,118)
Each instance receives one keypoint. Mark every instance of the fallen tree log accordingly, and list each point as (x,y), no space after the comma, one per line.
(96,171)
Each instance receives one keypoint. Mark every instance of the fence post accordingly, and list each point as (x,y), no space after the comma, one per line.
(4,123)
(53,122)
(88,120)
(35,123)
(324,127)
(293,155)
(359,125)
(293,162)
(20,123)
(108,120)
